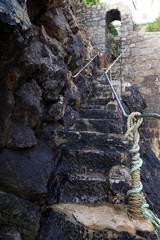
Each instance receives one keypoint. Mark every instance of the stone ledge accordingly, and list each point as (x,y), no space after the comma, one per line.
(105,216)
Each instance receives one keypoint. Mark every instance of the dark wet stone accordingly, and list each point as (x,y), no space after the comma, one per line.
(21,136)
(51,91)
(99,125)
(133,99)
(15,34)
(94,190)
(69,117)
(28,104)
(6,105)
(19,214)
(9,233)
(72,94)
(56,111)
(26,172)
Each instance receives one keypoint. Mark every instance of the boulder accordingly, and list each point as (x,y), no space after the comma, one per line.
(15,34)
(21,136)
(20,215)
(133,99)
(28,104)
(26,172)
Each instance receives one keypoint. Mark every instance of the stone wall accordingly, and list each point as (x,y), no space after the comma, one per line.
(141,67)
(94,20)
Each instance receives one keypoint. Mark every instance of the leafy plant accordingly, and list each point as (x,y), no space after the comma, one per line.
(91,2)
(154,27)
(112,29)
(136,27)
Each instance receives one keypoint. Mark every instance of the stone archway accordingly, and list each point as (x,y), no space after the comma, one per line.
(113,36)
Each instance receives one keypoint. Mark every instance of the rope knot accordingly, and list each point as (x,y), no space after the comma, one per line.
(133,124)
(137,206)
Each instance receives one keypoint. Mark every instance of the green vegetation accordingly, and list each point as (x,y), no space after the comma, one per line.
(112,29)
(91,2)
(136,27)
(154,27)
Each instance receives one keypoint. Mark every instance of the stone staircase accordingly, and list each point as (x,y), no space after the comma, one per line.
(91,170)
(91,148)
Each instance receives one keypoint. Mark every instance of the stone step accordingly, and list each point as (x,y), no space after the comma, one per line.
(98,125)
(88,187)
(90,160)
(104,94)
(98,101)
(97,114)
(73,221)
(85,140)
(109,106)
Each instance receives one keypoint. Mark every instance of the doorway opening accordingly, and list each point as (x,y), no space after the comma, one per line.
(113,35)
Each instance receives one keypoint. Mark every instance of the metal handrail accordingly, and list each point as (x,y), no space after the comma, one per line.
(117,99)
(74,76)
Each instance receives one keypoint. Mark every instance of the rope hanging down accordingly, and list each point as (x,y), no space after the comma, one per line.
(137,206)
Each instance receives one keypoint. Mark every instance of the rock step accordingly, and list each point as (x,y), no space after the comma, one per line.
(100,81)
(85,139)
(101,88)
(90,160)
(100,94)
(110,106)
(98,125)
(73,221)
(97,114)
(98,101)
(88,187)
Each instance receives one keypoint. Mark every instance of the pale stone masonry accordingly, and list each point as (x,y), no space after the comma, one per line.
(141,60)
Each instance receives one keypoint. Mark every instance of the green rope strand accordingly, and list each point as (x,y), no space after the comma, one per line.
(137,206)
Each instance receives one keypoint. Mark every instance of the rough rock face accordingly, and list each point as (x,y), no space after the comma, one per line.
(36,92)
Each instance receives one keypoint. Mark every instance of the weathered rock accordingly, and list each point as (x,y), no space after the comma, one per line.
(56,111)
(9,234)
(19,214)
(71,19)
(72,94)
(28,107)
(21,136)
(26,172)
(51,90)
(69,117)
(56,26)
(15,36)
(133,99)
(55,46)
(75,221)
(6,105)
(36,8)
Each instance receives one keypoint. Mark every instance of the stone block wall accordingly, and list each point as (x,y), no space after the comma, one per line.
(94,20)
(141,66)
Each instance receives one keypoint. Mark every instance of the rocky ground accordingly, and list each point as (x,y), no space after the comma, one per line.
(60,136)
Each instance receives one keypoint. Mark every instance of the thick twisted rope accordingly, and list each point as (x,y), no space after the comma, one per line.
(137,206)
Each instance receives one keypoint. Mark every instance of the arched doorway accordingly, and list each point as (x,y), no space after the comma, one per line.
(113,34)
